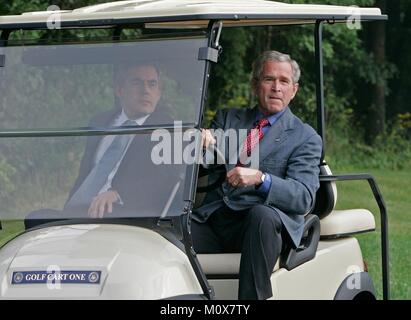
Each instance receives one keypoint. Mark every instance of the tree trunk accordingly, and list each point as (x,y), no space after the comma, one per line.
(375,123)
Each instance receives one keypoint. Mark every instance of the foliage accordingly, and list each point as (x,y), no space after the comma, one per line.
(346,63)
(404,120)
(348,66)
(6,176)
(391,151)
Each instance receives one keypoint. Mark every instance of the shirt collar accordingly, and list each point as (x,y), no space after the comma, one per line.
(123,117)
(272,118)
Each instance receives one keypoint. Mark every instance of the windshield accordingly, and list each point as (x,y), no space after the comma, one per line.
(78,123)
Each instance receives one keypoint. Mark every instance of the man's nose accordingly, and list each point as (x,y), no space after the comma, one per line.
(275,86)
(145,86)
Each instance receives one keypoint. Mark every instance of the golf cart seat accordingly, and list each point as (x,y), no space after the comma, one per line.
(324,222)
(223,264)
(338,223)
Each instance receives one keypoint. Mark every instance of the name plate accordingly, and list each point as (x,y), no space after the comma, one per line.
(38,277)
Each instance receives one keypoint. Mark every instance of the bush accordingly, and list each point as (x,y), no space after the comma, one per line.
(391,150)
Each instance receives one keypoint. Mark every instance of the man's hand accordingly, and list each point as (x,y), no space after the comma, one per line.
(244,177)
(207,138)
(103,203)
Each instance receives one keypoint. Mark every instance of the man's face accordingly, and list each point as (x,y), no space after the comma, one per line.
(139,91)
(275,88)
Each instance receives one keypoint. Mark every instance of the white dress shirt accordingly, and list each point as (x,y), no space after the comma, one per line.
(106,142)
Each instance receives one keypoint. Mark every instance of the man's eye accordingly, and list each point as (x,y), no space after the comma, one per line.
(141,83)
(137,82)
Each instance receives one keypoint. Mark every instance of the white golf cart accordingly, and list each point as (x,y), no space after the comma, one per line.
(56,73)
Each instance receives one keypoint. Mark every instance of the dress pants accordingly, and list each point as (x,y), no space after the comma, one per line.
(255,233)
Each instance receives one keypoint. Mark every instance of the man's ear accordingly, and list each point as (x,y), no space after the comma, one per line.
(296,87)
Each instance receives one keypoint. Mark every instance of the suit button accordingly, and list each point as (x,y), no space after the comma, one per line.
(225,198)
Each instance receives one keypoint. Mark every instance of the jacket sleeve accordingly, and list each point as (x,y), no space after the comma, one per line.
(295,193)
(217,124)
(219,120)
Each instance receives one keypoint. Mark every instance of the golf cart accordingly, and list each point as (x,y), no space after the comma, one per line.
(56,74)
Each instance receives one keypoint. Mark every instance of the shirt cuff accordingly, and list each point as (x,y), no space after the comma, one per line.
(119,201)
(264,188)
(105,188)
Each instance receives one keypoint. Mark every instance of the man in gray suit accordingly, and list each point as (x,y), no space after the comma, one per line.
(255,209)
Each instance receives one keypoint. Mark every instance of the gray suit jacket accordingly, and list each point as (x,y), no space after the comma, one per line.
(290,152)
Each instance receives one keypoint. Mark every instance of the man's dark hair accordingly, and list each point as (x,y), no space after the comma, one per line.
(120,70)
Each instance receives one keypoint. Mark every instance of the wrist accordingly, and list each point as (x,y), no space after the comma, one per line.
(114,193)
(260,178)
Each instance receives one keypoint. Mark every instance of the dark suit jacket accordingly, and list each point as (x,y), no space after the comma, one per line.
(143,186)
(290,152)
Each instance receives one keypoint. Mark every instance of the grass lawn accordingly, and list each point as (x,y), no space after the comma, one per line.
(396,188)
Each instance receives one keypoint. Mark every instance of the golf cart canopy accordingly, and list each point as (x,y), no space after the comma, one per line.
(190,14)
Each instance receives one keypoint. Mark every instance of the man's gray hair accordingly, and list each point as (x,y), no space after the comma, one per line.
(258,64)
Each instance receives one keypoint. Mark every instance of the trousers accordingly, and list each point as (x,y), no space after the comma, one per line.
(256,233)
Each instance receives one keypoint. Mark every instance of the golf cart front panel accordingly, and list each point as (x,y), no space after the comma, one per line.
(125,262)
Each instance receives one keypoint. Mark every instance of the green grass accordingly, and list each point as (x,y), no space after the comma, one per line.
(396,189)
(9,230)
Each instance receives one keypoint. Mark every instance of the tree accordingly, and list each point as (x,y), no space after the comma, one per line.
(375,111)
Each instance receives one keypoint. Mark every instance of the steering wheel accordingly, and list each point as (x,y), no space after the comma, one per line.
(219,168)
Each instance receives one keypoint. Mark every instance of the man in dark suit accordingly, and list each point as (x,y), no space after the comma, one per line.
(256,207)
(138,92)
(135,185)
(127,186)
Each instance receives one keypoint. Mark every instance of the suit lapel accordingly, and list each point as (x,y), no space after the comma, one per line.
(272,140)
(103,121)
(241,122)
(276,135)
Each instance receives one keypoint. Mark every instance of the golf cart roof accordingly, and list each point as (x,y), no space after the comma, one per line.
(191,14)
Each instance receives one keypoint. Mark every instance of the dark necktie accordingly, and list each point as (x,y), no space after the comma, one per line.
(97,177)
(253,138)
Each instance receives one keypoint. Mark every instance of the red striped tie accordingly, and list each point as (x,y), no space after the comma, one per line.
(252,139)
